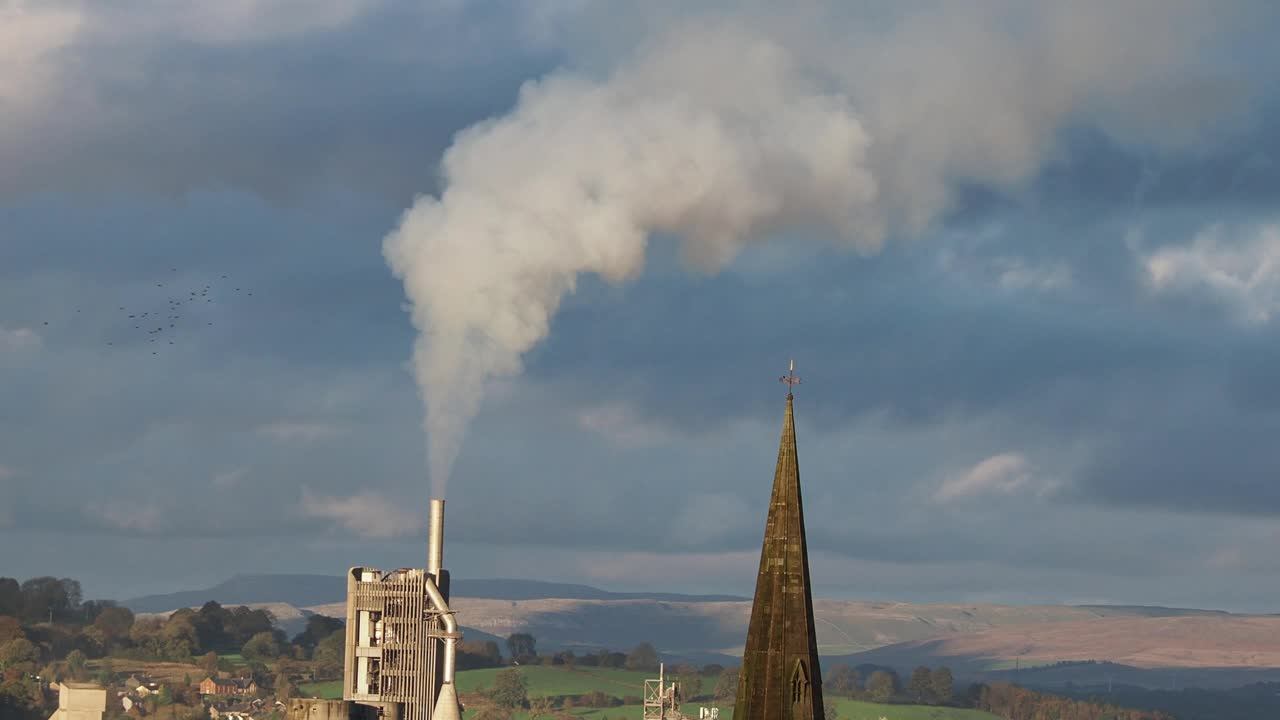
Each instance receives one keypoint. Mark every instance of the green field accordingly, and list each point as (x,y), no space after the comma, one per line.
(331,690)
(557,681)
(847,710)
(542,680)
(858,710)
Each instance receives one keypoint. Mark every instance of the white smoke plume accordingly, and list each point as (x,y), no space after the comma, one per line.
(719,130)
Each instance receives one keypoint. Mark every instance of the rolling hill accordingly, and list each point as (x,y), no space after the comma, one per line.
(307,590)
(1146,646)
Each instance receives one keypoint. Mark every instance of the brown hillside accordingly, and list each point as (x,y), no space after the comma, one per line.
(976,635)
(1223,641)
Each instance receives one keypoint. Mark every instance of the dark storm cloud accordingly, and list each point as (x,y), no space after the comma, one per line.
(646,428)
(152,103)
(1209,461)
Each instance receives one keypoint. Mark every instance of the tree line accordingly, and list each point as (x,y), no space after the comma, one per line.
(927,686)
(1018,703)
(48,633)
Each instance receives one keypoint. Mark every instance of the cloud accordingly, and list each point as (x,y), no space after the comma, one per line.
(228,479)
(365,514)
(620,425)
(722,129)
(299,431)
(18,340)
(659,393)
(704,518)
(1017,274)
(141,516)
(1239,269)
(6,499)
(1001,474)
(642,568)
(166,85)
(31,33)
(234,22)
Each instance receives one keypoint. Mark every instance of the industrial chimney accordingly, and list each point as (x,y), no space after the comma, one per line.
(437,587)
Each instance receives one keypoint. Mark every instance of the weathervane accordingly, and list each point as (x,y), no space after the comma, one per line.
(790,379)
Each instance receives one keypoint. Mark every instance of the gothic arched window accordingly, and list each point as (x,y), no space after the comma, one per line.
(800,683)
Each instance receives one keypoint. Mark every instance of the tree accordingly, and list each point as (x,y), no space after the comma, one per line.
(329,655)
(10,597)
(209,664)
(10,627)
(920,686)
(18,653)
(882,686)
(245,623)
(522,646)
(510,689)
(76,665)
(642,657)
(608,659)
(478,654)
(842,680)
(489,712)
(690,683)
(143,629)
(541,707)
(727,685)
(114,622)
(93,642)
(211,624)
(943,684)
(48,597)
(106,676)
(285,689)
(318,628)
(262,646)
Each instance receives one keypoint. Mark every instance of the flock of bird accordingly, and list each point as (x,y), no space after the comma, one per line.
(187,308)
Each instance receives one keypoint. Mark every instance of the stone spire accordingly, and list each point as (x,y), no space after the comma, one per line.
(781,678)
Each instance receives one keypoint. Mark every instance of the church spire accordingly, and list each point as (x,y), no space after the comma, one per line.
(781,678)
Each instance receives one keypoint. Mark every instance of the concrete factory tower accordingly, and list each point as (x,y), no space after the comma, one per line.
(401,643)
(781,679)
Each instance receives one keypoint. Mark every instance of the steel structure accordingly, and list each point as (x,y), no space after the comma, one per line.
(661,701)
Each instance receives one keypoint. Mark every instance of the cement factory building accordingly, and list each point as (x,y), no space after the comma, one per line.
(401,643)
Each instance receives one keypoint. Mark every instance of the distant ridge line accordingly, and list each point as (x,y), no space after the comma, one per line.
(301,590)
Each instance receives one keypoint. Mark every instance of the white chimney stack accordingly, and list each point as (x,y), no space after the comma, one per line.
(435,539)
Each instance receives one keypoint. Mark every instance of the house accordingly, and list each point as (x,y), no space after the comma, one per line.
(228,686)
(142,685)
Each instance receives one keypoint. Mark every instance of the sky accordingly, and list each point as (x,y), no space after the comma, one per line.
(1026,258)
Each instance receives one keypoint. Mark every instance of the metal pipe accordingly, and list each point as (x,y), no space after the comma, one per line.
(450,630)
(446,707)
(435,538)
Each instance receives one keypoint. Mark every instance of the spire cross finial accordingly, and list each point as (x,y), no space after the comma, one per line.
(790,379)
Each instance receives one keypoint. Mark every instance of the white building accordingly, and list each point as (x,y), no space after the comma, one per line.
(80,701)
